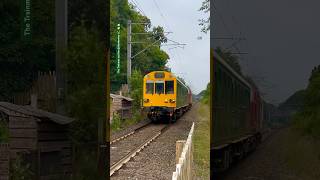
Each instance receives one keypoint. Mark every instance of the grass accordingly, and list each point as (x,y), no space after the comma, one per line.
(301,153)
(201,140)
(118,124)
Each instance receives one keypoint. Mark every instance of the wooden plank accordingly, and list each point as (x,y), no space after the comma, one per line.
(4,167)
(42,136)
(51,127)
(67,168)
(23,133)
(55,144)
(66,152)
(4,177)
(66,160)
(50,177)
(23,143)
(19,122)
(179,147)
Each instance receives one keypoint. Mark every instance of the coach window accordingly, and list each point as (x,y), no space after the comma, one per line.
(159,87)
(149,87)
(169,87)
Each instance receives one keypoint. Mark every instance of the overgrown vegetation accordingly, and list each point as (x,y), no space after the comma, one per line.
(84,67)
(85,100)
(20,170)
(136,89)
(307,120)
(150,60)
(206,95)
(4,132)
(118,124)
(19,61)
(301,153)
(202,143)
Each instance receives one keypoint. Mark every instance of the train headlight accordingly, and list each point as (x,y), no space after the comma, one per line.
(172,101)
(166,100)
(146,100)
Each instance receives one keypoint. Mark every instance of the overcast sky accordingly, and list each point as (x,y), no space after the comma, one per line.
(283,41)
(181,18)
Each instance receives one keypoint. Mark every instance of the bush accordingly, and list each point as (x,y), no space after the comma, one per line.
(116,122)
(19,170)
(4,132)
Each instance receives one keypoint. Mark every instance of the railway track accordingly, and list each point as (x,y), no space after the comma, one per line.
(135,151)
(130,133)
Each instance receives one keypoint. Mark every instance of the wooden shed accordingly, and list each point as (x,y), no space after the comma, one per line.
(40,138)
(121,105)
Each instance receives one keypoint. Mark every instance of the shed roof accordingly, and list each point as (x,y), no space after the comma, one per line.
(11,109)
(120,97)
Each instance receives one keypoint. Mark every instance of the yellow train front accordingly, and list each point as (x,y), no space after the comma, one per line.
(165,97)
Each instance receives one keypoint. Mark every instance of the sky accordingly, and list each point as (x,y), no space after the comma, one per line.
(181,18)
(282,41)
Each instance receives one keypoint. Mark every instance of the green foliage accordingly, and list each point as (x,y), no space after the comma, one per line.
(19,170)
(294,102)
(136,88)
(308,119)
(201,141)
(85,163)
(116,122)
(206,95)
(150,60)
(4,132)
(231,59)
(20,61)
(84,67)
(205,23)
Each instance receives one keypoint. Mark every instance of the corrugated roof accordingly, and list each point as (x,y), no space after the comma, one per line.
(9,108)
(120,97)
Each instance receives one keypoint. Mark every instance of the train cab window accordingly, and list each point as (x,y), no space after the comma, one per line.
(169,87)
(159,87)
(149,87)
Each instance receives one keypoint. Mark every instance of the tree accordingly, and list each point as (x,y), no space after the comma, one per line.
(84,67)
(20,61)
(231,59)
(205,23)
(206,95)
(308,119)
(136,86)
(150,60)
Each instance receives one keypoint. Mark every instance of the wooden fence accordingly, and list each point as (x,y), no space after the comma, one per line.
(43,90)
(4,161)
(184,159)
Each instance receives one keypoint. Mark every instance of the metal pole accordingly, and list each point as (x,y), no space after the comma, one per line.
(128,53)
(61,27)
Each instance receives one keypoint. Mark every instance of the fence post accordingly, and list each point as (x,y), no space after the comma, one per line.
(179,148)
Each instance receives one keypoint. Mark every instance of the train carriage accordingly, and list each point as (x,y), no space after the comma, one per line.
(237,115)
(165,96)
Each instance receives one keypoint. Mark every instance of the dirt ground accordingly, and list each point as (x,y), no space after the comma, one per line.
(266,163)
(157,161)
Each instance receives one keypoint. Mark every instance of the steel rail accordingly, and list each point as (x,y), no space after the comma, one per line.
(129,134)
(116,166)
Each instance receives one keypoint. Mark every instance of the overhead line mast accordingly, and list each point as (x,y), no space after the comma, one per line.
(130,42)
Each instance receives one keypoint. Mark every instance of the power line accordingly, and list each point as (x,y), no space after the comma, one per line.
(137,5)
(161,14)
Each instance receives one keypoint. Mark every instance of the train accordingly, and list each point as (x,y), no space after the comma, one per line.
(165,96)
(237,115)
